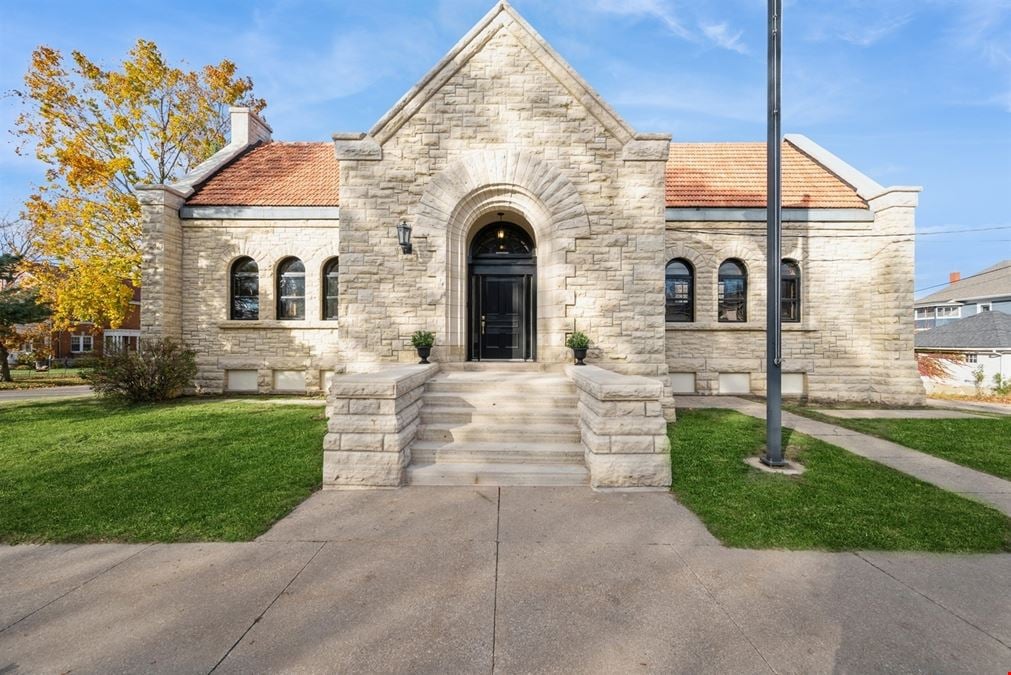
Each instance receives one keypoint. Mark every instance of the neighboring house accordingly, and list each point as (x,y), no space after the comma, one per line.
(503,205)
(979,343)
(986,291)
(86,340)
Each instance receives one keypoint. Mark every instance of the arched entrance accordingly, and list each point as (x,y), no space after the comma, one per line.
(502,303)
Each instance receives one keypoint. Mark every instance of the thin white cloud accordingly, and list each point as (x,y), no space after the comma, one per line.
(697,30)
(722,35)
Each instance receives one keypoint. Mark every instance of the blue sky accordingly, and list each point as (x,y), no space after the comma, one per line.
(909,91)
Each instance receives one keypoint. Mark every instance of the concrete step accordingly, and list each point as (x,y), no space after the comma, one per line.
(484,400)
(497,474)
(502,384)
(495,433)
(496,414)
(502,367)
(511,386)
(440,452)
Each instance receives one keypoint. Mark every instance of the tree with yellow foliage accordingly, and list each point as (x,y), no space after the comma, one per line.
(101,132)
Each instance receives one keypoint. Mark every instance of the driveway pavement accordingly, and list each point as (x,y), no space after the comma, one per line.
(477,580)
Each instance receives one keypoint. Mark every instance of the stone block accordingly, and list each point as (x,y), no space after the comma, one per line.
(363,469)
(623,471)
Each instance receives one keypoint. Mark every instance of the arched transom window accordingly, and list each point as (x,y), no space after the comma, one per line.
(733,292)
(291,290)
(244,304)
(680,291)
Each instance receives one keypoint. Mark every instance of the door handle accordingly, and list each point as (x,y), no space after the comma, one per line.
(482,324)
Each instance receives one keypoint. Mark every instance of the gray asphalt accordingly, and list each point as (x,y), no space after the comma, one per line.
(505,580)
(45,394)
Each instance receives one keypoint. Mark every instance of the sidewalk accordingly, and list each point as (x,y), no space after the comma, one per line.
(46,393)
(504,580)
(953,477)
(972,406)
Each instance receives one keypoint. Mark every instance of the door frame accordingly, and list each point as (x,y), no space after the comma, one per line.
(506,266)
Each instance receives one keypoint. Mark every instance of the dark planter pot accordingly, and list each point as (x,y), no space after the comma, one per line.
(580,354)
(424,353)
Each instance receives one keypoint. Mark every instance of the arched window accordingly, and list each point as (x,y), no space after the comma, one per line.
(790,272)
(680,291)
(330,295)
(733,292)
(245,290)
(291,290)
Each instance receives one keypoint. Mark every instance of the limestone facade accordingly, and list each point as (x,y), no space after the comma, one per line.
(504,126)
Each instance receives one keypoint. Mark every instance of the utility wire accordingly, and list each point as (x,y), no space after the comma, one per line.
(971,276)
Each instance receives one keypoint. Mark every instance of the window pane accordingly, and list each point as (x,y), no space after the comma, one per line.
(331,308)
(291,309)
(292,286)
(246,286)
(791,300)
(245,309)
(732,300)
(678,268)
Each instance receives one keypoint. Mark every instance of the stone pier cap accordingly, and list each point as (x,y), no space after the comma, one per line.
(607,385)
(388,383)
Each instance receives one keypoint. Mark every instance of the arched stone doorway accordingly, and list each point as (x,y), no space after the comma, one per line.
(502,297)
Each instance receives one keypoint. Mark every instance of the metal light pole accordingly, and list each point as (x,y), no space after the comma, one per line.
(774,326)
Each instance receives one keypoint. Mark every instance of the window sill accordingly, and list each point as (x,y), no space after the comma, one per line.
(278,325)
(753,326)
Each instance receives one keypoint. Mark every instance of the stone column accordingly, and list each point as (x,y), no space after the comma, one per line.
(624,433)
(161,262)
(373,422)
(894,377)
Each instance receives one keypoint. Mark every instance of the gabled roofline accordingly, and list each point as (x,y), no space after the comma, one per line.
(496,19)
(866,187)
(247,130)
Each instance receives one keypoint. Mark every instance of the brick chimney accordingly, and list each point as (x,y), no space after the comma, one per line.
(954,276)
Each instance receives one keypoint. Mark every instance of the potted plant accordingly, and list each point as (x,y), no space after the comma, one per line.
(578,342)
(423,341)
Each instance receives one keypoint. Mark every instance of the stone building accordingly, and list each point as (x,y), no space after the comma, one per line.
(534,211)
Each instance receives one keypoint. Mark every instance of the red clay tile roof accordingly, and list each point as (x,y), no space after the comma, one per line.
(705,175)
(717,175)
(275,174)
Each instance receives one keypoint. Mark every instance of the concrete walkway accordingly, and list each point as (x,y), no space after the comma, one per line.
(970,483)
(46,393)
(971,406)
(898,414)
(472,580)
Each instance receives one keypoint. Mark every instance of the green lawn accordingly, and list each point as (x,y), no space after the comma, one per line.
(842,502)
(983,443)
(84,471)
(31,379)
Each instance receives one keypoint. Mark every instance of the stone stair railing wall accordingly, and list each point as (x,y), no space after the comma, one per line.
(623,428)
(373,422)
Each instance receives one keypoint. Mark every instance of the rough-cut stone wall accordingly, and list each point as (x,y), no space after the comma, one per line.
(601,247)
(623,430)
(854,341)
(373,422)
(161,263)
(267,345)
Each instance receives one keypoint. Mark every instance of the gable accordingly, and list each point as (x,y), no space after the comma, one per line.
(538,53)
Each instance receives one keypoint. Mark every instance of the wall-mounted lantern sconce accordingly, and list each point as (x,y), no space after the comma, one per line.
(404,236)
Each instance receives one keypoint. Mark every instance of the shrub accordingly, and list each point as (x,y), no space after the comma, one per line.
(1001,385)
(161,370)
(423,338)
(577,340)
